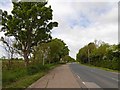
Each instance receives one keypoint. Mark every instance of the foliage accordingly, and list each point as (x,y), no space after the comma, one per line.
(25,81)
(30,24)
(51,52)
(68,59)
(103,55)
(8,46)
(14,75)
(32,69)
(84,53)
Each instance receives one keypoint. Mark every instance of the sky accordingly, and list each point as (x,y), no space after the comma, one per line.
(80,22)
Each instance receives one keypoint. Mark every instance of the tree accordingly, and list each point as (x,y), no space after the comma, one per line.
(91,47)
(41,53)
(30,24)
(0,16)
(101,54)
(67,59)
(7,45)
(58,49)
(84,53)
(51,52)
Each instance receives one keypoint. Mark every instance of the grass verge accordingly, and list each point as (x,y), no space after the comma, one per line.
(26,80)
(106,69)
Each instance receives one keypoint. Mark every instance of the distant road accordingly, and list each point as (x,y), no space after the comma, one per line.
(95,78)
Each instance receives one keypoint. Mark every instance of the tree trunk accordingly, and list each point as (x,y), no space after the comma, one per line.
(49,61)
(26,58)
(43,61)
(9,64)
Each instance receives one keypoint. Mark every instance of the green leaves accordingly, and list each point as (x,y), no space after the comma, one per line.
(4,13)
(9,17)
(104,55)
(52,24)
(25,25)
(54,50)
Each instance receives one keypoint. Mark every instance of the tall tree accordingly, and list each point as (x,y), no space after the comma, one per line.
(30,24)
(58,49)
(8,46)
(85,52)
(51,52)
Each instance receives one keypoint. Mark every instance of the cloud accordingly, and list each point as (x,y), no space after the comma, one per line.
(6,5)
(83,22)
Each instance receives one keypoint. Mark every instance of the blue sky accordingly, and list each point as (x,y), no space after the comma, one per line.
(81,22)
(84,21)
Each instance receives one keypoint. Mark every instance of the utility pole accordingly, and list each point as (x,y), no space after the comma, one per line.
(43,57)
(88,56)
(45,54)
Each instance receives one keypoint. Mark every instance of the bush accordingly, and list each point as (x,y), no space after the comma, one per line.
(32,69)
(12,75)
(17,70)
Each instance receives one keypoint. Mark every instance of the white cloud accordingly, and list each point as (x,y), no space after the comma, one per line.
(100,19)
(81,22)
(6,5)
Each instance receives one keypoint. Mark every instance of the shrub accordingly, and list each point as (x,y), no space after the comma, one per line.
(12,75)
(32,69)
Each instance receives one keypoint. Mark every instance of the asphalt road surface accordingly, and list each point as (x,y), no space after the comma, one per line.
(95,78)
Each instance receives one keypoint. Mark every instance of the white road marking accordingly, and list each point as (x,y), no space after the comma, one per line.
(83,83)
(109,77)
(78,76)
(91,85)
(115,79)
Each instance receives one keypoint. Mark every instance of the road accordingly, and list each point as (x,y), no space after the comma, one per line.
(95,78)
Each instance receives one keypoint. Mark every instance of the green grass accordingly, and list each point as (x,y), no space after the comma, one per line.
(22,78)
(106,69)
(26,81)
